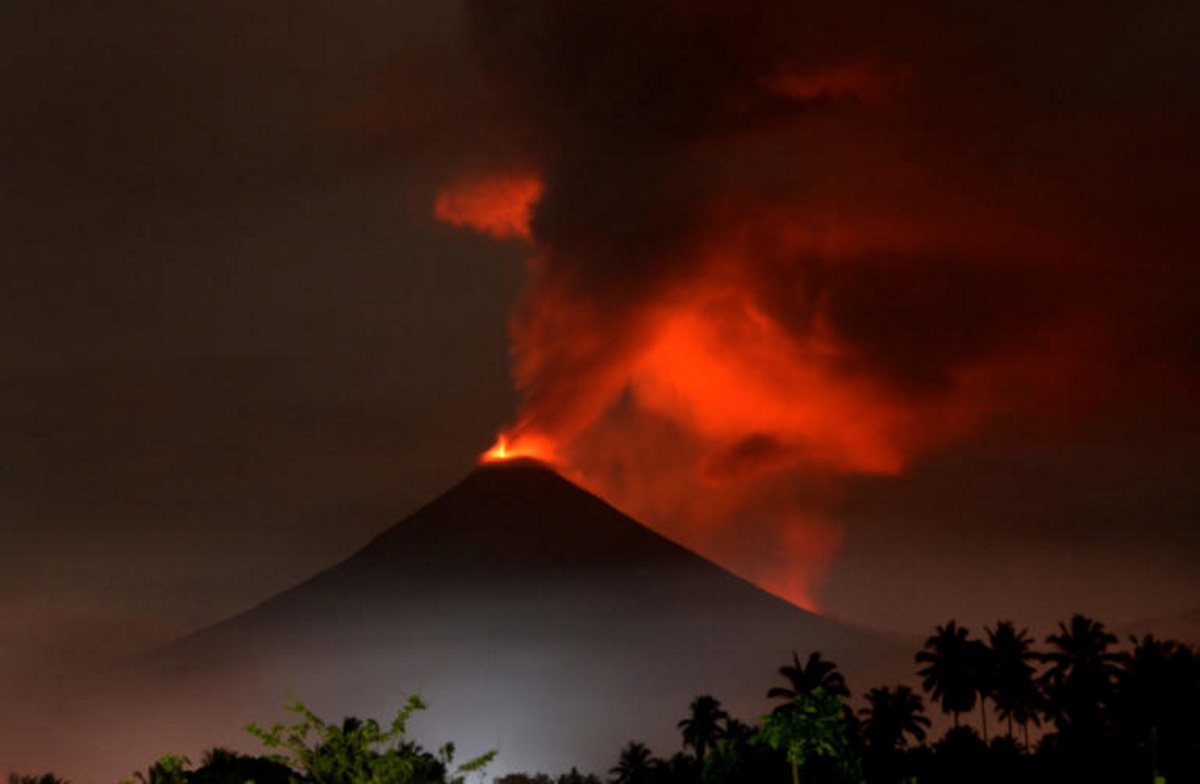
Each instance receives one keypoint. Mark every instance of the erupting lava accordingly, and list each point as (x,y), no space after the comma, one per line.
(526,447)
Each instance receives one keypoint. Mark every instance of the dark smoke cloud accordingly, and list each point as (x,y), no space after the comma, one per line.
(644,115)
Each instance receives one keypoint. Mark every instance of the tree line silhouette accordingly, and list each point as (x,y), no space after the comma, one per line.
(1098,714)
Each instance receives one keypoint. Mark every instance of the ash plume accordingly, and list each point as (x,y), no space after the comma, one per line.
(772,245)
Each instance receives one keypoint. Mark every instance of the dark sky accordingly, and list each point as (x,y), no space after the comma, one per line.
(891,309)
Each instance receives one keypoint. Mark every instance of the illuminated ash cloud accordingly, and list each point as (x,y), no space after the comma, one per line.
(499,205)
(772,244)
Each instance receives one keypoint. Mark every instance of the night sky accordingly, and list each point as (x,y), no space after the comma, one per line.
(891,310)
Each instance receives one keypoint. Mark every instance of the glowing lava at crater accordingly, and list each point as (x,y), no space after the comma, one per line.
(527,447)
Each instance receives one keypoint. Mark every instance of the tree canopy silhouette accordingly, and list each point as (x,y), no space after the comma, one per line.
(1081,677)
(704,725)
(1014,690)
(950,672)
(634,765)
(892,716)
(816,673)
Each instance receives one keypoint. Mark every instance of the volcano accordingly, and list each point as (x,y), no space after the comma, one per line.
(532,617)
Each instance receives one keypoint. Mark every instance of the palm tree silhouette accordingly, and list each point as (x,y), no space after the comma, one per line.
(704,726)
(634,766)
(890,715)
(1157,691)
(1080,679)
(815,673)
(1014,690)
(950,672)
(983,672)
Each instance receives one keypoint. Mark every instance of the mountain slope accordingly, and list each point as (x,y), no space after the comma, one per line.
(531,615)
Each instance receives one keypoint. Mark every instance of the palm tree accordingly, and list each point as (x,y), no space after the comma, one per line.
(815,673)
(1080,679)
(1013,688)
(950,672)
(633,766)
(704,726)
(1157,692)
(890,716)
(983,672)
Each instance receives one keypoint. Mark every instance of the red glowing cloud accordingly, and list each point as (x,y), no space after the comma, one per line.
(499,206)
(859,80)
(779,246)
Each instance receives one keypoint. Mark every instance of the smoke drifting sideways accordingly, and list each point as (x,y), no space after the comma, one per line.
(774,245)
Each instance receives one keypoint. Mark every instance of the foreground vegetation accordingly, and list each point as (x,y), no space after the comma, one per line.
(1097,714)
